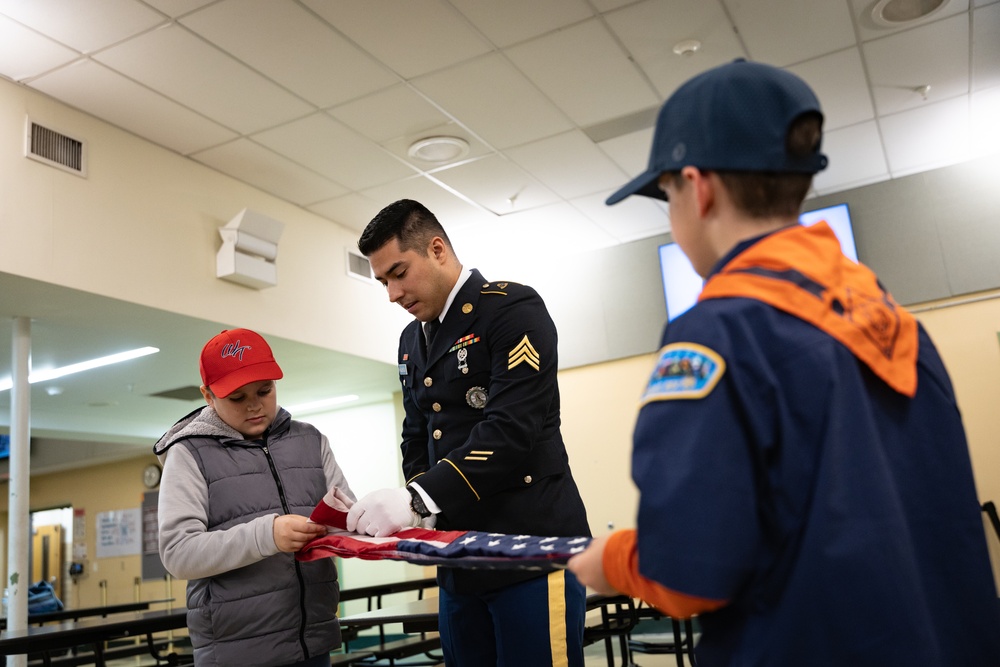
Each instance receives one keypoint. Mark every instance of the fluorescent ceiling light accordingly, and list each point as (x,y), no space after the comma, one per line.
(51,374)
(317,406)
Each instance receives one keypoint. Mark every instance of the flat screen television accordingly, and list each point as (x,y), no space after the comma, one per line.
(681,285)
(4,446)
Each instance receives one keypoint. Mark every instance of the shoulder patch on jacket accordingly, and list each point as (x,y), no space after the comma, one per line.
(684,370)
(498,287)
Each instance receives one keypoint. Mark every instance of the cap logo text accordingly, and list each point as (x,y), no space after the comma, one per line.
(234,350)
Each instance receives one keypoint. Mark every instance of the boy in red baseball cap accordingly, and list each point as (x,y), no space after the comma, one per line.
(240,478)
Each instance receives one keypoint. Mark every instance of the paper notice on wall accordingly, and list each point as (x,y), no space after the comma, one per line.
(119,533)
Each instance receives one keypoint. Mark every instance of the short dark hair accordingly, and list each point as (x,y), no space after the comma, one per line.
(406,220)
(763,194)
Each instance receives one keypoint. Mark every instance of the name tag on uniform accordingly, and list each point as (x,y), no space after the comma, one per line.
(402,369)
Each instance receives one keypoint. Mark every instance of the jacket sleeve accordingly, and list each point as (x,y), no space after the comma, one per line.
(187,548)
(331,469)
(621,569)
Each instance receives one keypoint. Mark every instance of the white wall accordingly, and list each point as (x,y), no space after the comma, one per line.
(142,227)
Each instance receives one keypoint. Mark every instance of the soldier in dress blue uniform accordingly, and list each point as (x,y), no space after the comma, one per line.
(481,444)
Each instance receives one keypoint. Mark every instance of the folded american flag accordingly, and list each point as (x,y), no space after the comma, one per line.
(453,548)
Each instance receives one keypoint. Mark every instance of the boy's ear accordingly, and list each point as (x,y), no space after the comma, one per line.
(705,184)
(207,394)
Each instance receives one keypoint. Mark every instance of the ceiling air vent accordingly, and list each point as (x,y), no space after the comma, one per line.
(55,149)
(359,267)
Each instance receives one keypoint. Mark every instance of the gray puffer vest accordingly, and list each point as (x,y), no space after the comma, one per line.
(276,611)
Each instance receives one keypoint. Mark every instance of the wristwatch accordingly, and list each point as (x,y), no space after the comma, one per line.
(417,503)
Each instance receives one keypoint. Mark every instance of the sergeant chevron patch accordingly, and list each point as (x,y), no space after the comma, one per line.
(524,353)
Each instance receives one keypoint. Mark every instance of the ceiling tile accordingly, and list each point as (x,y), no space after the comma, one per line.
(110,96)
(352,210)
(258,166)
(838,79)
(328,148)
(175,8)
(942,132)
(451,209)
(585,72)
(820,27)
(84,26)
(630,151)
(288,44)
(631,219)
(868,29)
(855,155)
(498,185)
(512,21)
(24,53)
(570,164)
(901,63)
(412,38)
(486,94)
(608,5)
(395,112)
(649,30)
(181,66)
(513,245)
(986,47)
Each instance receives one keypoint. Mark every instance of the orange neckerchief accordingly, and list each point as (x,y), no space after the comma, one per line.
(801,271)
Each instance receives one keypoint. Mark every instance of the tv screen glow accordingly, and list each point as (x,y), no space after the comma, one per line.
(4,445)
(681,285)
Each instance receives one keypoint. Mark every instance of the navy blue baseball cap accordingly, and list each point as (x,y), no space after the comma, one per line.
(734,117)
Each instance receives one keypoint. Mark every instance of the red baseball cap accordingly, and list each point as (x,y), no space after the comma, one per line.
(234,358)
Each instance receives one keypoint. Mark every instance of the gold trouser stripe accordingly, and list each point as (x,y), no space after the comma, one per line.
(557,619)
(463,476)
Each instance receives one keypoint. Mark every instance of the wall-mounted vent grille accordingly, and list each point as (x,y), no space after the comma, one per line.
(55,149)
(358,266)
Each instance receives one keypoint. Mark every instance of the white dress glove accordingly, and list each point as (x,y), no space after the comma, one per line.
(382,513)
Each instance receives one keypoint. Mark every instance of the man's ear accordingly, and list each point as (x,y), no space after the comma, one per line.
(207,395)
(438,249)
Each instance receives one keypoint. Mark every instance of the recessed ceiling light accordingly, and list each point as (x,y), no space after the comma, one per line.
(687,47)
(439,149)
(895,13)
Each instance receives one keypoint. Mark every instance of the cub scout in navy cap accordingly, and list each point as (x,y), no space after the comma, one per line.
(802,467)
(238,371)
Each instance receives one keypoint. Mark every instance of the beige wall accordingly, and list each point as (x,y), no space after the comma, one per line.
(968,337)
(95,489)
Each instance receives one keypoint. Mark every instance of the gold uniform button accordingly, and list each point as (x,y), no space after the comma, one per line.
(527,479)
(436,407)
(437,434)
(428,382)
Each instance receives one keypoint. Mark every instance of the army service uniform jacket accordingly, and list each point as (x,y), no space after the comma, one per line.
(481,431)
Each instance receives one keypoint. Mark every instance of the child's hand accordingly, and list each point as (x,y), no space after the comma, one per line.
(589,567)
(292,532)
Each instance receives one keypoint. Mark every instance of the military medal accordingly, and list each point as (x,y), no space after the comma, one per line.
(462,355)
(476,398)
